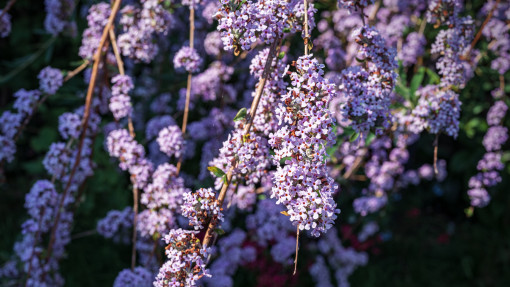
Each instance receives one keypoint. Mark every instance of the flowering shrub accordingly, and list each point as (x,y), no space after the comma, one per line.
(201,142)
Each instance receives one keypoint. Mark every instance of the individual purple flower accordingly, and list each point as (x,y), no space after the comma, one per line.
(495,137)
(170,141)
(138,277)
(26,101)
(201,207)
(5,24)
(188,59)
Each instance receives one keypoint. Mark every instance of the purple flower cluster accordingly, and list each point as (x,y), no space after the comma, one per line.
(69,125)
(438,110)
(58,16)
(97,19)
(491,163)
(5,24)
(26,101)
(116,225)
(367,87)
(301,181)
(231,254)
(187,260)
(162,199)
(140,26)
(50,80)
(201,207)
(343,261)
(414,47)
(354,5)
(138,277)
(242,25)
(120,102)
(11,122)
(451,44)
(188,59)
(170,141)
(131,154)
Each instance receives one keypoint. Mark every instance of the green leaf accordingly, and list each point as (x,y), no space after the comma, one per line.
(402,90)
(241,115)
(433,76)
(219,231)
(354,137)
(281,55)
(216,171)
(283,160)
(416,81)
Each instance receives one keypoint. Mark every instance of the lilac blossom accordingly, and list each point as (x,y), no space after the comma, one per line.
(116,225)
(58,15)
(188,59)
(138,277)
(26,101)
(495,137)
(69,125)
(201,207)
(5,24)
(301,182)
(496,113)
(367,87)
(186,260)
(170,141)
(97,19)
(120,102)
(414,47)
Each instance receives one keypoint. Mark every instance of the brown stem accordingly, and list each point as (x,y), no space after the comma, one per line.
(436,144)
(188,85)
(305,24)
(247,128)
(118,58)
(76,71)
(297,249)
(479,34)
(86,114)
(7,7)
(135,218)
(354,166)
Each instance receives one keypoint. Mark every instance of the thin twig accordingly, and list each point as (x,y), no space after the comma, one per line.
(479,34)
(188,85)
(436,144)
(297,249)
(86,114)
(120,66)
(76,71)
(7,7)
(246,131)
